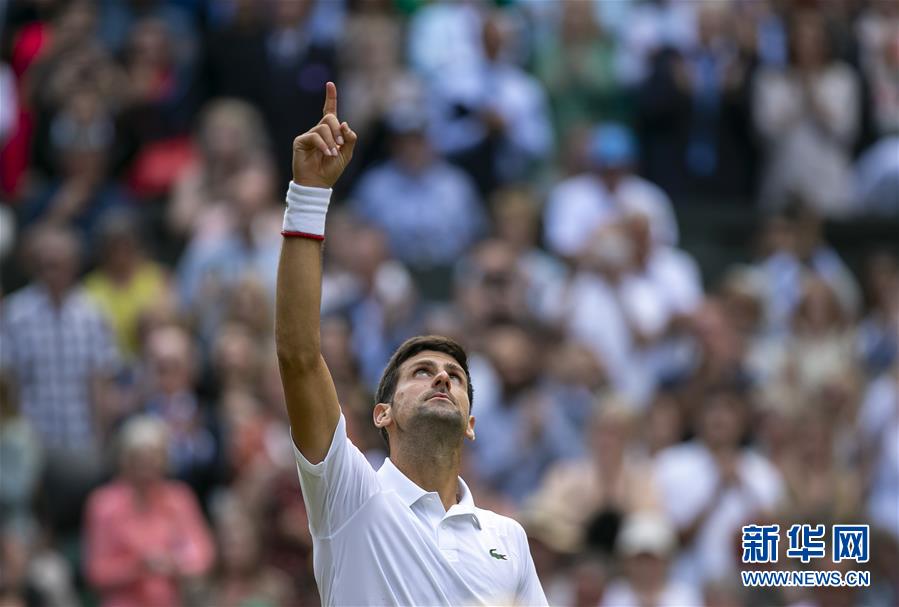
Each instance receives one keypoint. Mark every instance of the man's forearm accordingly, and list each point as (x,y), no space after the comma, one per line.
(298,302)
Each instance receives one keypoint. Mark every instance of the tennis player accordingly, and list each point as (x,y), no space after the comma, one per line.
(410,533)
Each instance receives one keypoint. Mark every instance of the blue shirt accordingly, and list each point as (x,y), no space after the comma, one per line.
(430,218)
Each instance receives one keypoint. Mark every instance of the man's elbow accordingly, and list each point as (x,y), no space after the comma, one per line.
(295,356)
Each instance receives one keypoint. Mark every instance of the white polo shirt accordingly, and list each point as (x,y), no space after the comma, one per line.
(380,539)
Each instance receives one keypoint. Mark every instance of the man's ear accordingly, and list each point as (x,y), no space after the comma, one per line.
(469,430)
(382,415)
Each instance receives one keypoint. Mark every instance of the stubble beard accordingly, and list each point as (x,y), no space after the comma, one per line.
(434,427)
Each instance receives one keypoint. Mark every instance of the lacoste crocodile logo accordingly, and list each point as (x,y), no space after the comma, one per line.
(497,555)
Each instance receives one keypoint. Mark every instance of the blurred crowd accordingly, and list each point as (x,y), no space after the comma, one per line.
(518,184)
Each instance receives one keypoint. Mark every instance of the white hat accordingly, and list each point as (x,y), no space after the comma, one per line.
(646,532)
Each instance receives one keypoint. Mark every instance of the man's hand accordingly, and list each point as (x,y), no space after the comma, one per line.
(322,153)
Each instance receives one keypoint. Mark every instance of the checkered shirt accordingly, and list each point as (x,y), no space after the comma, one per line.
(53,353)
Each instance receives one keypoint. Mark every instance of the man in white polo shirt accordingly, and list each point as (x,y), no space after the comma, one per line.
(410,533)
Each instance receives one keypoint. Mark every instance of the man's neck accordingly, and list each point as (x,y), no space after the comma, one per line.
(432,469)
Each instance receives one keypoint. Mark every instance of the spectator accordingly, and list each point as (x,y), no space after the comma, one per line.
(444,34)
(145,535)
(126,284)
(523,413)
(429,209)
(490,287)
(646,544)
(650,289)
(374,77)
(82,136)
(20,448)
(808,118)
(818,481)
(230,138)
(33,571)
(389,313)
(217,260)
(492,117)
(794,247)
(242,578)
(234,51)
(719,149)
(730,484)
(579,206)
(159,105)
(878,332)
(58,347)
(579,66)
(516,215)
(296,67)
(194,449)
(878,34)
(594,493)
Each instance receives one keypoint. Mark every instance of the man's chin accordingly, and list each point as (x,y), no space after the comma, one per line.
(439,412)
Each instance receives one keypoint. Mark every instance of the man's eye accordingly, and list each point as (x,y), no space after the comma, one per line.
(420,372)
(456,378)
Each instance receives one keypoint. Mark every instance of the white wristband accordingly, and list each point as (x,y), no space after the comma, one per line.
(306,211)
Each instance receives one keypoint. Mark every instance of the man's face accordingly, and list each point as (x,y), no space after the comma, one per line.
(431,391)
(721,424)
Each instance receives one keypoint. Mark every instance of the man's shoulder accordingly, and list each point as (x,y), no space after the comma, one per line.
(21,301)
(504,525)
(582,184)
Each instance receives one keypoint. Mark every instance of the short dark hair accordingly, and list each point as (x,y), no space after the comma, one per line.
(408,349)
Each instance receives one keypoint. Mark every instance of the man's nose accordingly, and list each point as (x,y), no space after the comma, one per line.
(442,378)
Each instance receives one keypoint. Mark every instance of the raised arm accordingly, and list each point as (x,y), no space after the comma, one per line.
(319,157)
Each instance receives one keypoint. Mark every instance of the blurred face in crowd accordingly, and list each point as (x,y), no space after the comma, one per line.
(431,399)
(819,311)
(578,21)
(150,43)
(809,41)
(721,421)
(57,257)
(290,13)
(514,356)
(612,176)
(144,455)
(722,346)
(712,22)
(814,439)
(664,423)
(882,281)
(516,219)
(498,293)
(75,24)
(169,352)
(337,347)
(493,38)
(82,133)
(646,571)
(369,249)
(637,227)
(778,235)
(610,430)
(412,151)
(253,191)
(742,304)
(236,354)
(231,131)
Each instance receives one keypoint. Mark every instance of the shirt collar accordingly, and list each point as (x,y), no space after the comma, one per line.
(392,479)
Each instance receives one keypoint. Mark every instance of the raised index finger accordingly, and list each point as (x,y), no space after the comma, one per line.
(330,99)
